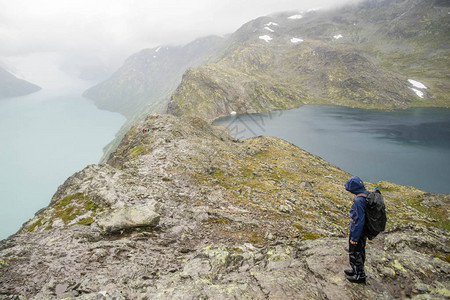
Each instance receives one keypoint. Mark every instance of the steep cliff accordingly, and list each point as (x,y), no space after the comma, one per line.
(183,211)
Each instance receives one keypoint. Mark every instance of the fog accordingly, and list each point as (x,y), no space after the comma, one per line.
(101,34)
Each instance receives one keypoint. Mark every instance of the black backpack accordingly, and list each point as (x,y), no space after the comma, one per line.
(375,214)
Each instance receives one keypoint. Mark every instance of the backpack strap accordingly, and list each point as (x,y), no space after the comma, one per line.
(360,195)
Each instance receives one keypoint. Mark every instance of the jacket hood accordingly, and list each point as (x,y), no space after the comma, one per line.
(355,185)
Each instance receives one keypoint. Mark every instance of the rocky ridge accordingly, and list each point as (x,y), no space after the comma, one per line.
(183,211)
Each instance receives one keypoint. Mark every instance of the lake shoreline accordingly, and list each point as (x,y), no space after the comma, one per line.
(388,133)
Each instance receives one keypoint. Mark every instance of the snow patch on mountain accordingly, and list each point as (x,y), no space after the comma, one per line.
(159,48)
(296,40)
(269,29)
(339,36)
(313,9)
(295,17)
(265,37)
(271,23)
(417,84)
(418,93)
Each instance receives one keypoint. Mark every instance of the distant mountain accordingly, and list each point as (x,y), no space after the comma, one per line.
(377,54)
(11,86)
(384,54)
(147,78)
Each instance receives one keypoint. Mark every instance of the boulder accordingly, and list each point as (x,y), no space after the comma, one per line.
(306,184)
(128,218)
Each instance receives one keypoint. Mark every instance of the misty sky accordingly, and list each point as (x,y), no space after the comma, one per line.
(108,31)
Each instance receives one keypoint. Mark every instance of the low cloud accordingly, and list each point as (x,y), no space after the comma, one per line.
(111,30)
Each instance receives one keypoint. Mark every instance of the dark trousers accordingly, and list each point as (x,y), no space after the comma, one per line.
(357,255)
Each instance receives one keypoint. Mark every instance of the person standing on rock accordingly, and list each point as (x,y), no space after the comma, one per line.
(357,239)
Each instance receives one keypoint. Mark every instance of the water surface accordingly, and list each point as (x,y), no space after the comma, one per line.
(408,147)
(44,138)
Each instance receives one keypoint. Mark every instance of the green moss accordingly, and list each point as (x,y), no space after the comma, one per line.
(147,229)
(306,235)
(67,200)
(67,214)
(445,257)
(33,226)
(72,206)
(90,205)
(311,236)
(86,221)
(138,151)
(49,226)
(236,250)
(298,226)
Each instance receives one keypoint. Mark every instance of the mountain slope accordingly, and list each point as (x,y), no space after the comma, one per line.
(147,78)
(361,55)
(182,211)
(11,86)
(261,77)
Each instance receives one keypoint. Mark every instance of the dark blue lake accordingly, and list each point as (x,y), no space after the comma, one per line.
(408,147)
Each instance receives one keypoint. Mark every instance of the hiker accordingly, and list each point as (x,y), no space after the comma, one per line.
(357,238)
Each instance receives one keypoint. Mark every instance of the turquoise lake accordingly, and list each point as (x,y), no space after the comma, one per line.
(45,137)
(408,147)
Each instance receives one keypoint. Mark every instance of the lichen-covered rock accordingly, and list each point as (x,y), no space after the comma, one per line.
(234,222)
(128,218)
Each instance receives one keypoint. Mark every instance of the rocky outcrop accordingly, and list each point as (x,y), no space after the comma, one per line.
(191,213)
(129,218)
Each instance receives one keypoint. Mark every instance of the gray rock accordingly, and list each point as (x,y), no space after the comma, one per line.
(306,184)
(196,267)
(128,218)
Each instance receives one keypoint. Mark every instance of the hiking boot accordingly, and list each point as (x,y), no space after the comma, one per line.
(357,278)
(349,272)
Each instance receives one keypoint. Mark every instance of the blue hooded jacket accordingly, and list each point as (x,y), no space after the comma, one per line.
(358,210)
